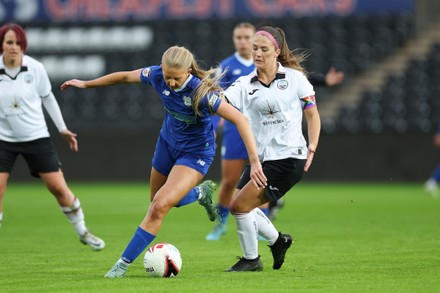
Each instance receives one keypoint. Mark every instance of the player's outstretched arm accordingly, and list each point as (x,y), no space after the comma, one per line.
(109,79)
(231,114)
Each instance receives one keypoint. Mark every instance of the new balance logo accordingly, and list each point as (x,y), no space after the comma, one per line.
(273,188)
(201,162)
(166,93)
(252,92)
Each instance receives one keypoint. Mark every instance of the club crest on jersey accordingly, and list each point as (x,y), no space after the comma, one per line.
(28,78)
(236,71)
(282,84)
(187,101)
(146,72)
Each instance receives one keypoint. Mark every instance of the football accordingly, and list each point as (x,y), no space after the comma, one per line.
(162,260)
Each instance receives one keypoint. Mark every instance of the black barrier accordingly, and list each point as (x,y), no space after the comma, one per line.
(126,156)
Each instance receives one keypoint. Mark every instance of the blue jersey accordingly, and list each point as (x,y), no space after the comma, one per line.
(182,128)
(234,66)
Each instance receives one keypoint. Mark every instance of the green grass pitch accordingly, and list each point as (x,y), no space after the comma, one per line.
(349,238)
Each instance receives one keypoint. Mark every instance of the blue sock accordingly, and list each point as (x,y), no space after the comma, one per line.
(190,197)
(141,239)
(265,211)
(436,174)
(223,213)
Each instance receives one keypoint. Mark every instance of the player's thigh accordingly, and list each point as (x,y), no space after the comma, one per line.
(179,182)
(41,157)
(232,169)
(3,182)
(157,180)
(247,198)
(8,155)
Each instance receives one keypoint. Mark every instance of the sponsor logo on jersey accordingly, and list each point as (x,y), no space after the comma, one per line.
(146,72)
(252,92)
(187,101)
(270,110)
(271,113)
(166,92)
(14,109)
(282,84)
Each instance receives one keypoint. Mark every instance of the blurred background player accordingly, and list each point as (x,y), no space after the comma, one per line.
(24,88)
(431,185)
(186,145)
(233,151)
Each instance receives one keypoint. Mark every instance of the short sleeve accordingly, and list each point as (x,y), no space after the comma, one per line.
(44,88)
(147,74)
(305,88)
(233,94)
(213,100)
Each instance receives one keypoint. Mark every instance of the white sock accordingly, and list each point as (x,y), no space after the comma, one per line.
(1,216)
(199,192)
(265,226)
(247,232)
(75,215)
(121,261)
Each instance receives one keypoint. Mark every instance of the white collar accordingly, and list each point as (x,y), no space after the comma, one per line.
(245,62)
(182,87)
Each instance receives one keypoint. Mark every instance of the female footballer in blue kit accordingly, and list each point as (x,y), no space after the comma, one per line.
(185,147)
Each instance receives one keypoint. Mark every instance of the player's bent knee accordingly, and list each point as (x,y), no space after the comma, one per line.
(237,208)
(159,209)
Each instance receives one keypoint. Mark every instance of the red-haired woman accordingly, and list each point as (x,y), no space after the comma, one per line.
(25,88)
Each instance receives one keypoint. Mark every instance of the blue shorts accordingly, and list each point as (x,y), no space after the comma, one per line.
(165,158)
(233,147)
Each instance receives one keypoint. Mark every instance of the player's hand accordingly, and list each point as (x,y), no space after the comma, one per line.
(437,140)
(70,137)
(310,156)
(257,175)
(75,83)
(334,77)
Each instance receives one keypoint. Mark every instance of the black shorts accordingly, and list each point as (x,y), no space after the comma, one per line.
(281,175)
(39,154)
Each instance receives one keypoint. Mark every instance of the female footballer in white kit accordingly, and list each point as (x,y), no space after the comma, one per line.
(24,89)
(273,98)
